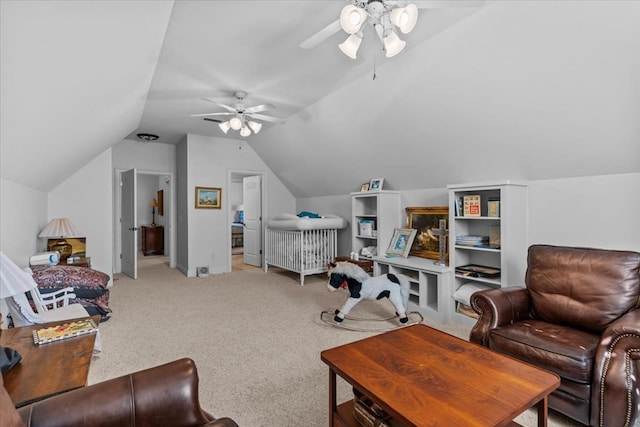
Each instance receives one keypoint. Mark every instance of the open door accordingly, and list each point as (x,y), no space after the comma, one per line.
(128,226)
(252,194)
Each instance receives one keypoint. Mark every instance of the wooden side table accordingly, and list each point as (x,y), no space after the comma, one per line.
(152,239)
(47,369)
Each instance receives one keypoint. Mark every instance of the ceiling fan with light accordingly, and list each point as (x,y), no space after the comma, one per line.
(243,117)
(385,16)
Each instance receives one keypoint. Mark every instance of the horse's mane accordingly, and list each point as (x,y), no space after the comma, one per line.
(351,270)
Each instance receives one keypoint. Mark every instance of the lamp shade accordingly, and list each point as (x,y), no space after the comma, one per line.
(154,203)
(352,18)
(393,45)
(255,126)
(224,126)
(13,280)
(245,131)
(350,46)
(239,207)
(405,18)
(60,227)
(235,123)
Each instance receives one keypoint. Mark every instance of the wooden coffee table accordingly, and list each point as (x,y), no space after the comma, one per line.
(424,377)
(46,369)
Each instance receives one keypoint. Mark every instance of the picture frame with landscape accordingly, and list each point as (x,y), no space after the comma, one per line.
(208,198)
(426,220)
(401,242)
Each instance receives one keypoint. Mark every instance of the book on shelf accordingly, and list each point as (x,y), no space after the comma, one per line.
(457,206)
(368,414)
(64,331)
(471,205)
(494,236)
(366,227)
(493,207)
(474,270)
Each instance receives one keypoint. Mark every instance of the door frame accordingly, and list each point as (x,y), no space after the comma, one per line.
(241,173)
(169,207)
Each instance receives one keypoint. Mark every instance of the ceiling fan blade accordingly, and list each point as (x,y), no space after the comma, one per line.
(321,35)
(443,4)
(213,120)
(266,118)
(259,108)
(212,114)
(226,107)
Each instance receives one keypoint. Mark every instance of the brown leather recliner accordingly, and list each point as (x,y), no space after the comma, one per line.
(579,316)
(165,395)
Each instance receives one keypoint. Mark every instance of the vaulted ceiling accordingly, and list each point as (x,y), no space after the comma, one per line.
(510,90)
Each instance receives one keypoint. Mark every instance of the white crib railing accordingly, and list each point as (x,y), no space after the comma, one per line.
(301,251)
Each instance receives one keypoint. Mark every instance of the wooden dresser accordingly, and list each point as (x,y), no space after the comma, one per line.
(152,239)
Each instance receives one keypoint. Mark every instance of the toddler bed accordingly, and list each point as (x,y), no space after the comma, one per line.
(304,245)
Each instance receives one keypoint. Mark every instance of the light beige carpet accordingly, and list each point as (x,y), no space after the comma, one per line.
(256,339)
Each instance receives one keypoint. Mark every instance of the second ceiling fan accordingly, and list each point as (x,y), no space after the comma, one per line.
(243,117)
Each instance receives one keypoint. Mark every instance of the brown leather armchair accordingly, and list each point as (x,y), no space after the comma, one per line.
(579,316)
(165,395)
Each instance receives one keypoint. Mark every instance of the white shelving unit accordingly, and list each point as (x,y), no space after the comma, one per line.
(512,223)
(381,207)
(429,283)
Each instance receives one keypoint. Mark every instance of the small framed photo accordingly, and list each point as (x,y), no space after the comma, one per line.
(376,184)
(208,198)
(364,187)
(401,242)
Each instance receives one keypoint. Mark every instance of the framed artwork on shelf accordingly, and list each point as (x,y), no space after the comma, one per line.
(426,222)
(160,202)
(376,184)
(208,198)
(401,242)
(364,187)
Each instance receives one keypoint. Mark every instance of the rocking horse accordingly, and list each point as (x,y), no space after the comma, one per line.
(346,275)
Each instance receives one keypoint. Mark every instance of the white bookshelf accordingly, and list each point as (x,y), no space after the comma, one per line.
(428,282)
(381,207)
(512,223)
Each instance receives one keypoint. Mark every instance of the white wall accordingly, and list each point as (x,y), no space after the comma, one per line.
(209,160)
(594,211)
(86,198)
(23,214)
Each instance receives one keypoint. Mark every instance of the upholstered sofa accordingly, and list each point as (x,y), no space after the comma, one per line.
(579,316)
(165,395)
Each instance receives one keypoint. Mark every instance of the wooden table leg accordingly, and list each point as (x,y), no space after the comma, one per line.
(332,396)
(543,412)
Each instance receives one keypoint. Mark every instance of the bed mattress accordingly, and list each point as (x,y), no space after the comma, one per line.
(294,222)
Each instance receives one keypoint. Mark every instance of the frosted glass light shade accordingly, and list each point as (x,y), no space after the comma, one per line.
(405,18)
(255,126)
(393,45)
(352,18)
(224,126)
(350,46)
(60,227)
(244,131)
(235,123)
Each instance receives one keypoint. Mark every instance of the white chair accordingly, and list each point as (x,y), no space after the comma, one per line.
(15,284)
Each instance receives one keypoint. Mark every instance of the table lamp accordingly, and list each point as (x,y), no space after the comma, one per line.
(240,210)
(153,205)
(59,228)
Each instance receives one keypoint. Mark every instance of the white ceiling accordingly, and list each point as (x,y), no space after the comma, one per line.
(516,89)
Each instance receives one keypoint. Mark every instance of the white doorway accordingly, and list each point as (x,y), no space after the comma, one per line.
(247,191)
(160,181)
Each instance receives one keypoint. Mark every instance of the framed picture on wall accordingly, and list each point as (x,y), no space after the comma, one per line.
(208,198)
